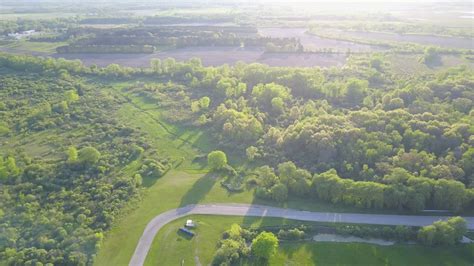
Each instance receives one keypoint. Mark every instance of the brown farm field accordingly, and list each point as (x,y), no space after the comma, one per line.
(214,56)
(446,42)
(313,42)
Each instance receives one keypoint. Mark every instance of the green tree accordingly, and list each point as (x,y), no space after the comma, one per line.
(278,106)
(265,245)
(216,160)
(72,155)
(355,91)
(71,96)
(12,168)
(265,93)
(251,153)
(88,155)
(426,235)
(279,192)
(449,194)
(431,56)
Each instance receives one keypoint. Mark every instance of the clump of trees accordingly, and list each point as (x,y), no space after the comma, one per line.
(238,243)
(431,56)
(291,234)
(398,190)
(232,247)
(399,233)
(447,232)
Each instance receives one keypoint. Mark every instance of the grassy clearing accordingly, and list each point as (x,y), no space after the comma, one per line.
(411,65)
(27,46)
(171,248)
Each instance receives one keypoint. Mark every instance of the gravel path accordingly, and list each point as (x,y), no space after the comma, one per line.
(258,210)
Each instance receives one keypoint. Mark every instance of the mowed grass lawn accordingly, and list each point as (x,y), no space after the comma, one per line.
(171,247)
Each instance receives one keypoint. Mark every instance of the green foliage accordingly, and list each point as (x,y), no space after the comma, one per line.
(265,94)
(443,232)
(66,207)
(216,160)
(88,155)
(252,153)
(355,91)
(71,96)
(232,248)
(265,245)
(72,155)
(201,104)
(408,147)
(291,234)
(431,56)
(152,168)
(279,192)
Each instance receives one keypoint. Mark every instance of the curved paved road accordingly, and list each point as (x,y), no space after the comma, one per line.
(258,210)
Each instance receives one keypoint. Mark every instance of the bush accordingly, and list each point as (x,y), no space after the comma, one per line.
(291,234)
(217,160)
(443,232)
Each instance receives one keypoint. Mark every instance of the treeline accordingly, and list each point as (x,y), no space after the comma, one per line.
(132,49)
(179,37)
(21,24)
(398,190)
(109,20)
(189,20)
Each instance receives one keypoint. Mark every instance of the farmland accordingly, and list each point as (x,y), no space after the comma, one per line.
(448,42)
(315,43)
(213,56)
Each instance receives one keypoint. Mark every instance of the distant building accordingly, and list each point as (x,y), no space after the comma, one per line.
(23,34)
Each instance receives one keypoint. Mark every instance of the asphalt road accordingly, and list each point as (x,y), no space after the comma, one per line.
(258,210)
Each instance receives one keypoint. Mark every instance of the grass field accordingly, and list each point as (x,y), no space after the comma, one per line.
(27,46)
(171,248)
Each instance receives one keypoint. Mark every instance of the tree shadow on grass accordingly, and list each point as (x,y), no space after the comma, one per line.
(149,181)
(184,235)
(199,190)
